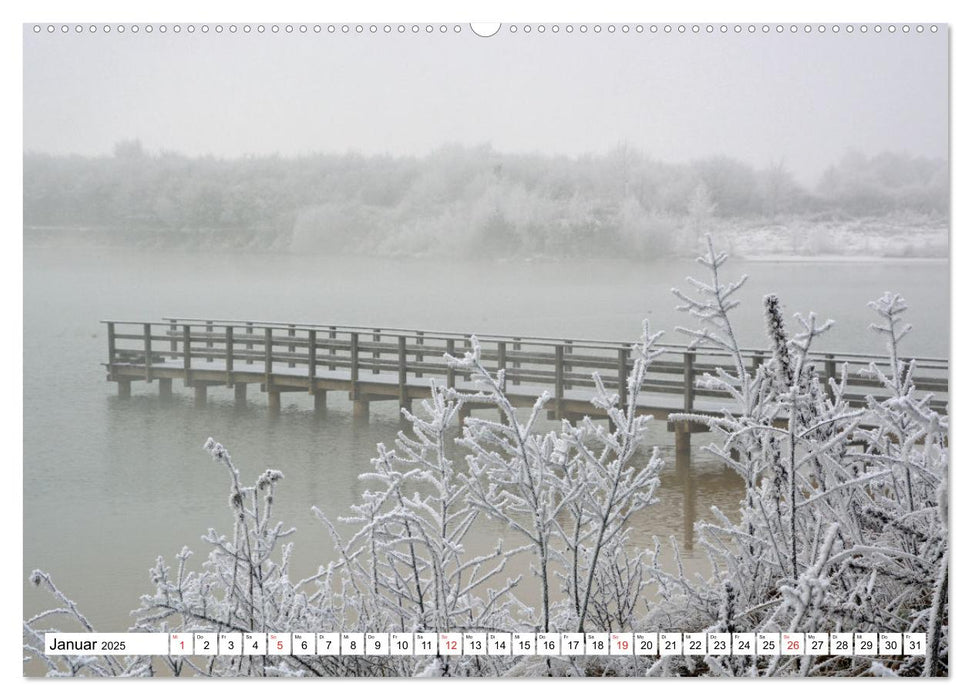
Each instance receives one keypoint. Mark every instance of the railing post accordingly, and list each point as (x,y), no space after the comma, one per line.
(229,355)
(187,354)
(558,380)
(354,367)
(124,385)
(402,361)
(361,404)
(502,362)
(689,380)
(623,355)
(830,374)
(291,332)
(147,331)
(467,347)
(830,367)
(419,357)
(567,350)
(272,397)
(268,355)
(173,340)
(376,354)
(450,371)
(209,341)
(249,345)
(757,361)
(402,371)
(682,429)
(332,335)
(111,344)
(516,347)
(312,357)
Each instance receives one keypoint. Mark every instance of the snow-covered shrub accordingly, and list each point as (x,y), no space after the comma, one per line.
(843,526)
(569,494)
(410,566)
(69,618)
(564,496)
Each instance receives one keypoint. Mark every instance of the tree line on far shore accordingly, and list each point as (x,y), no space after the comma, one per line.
(459,199)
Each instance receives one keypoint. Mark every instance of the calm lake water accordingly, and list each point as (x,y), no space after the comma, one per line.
(109,484)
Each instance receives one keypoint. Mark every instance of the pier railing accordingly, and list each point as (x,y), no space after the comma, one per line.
(385,363)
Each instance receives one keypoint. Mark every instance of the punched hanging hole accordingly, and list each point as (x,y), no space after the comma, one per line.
(485,29)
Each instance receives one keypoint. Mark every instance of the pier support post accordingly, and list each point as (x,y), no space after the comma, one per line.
(689,497)
(362,409)
(682,437)
(165,389)
(200,394)
(274,404)
(239,390)
(124,389)
(320,401)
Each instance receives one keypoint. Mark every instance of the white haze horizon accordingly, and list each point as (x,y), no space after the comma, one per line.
(800,100)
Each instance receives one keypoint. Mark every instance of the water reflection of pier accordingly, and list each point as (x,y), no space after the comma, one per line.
(689,492)
(691,483)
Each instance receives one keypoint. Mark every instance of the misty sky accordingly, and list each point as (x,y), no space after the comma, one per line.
(804,99)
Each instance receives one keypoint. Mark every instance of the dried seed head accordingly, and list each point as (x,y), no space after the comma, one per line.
(215,449)
(268,477)
(777,336)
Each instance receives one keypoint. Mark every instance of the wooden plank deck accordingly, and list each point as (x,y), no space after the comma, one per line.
(390,364)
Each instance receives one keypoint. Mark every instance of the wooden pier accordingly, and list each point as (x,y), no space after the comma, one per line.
(392,364)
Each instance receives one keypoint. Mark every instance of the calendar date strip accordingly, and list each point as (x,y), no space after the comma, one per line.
(488,644)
